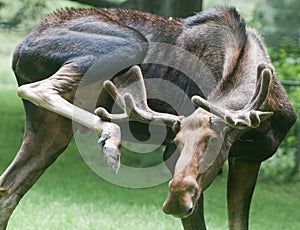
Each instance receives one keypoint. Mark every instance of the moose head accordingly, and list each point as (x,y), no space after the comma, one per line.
(203,138)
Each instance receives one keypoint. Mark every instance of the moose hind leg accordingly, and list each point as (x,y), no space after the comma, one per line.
(46,136)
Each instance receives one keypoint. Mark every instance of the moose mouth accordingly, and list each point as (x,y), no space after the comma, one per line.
(181,203)
(185,215)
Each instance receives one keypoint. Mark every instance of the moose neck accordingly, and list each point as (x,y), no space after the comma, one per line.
(235,89)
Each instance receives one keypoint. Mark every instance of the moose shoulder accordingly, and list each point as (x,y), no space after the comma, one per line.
(240,111)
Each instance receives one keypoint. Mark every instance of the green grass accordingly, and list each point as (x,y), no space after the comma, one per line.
(8,42)
(70,196)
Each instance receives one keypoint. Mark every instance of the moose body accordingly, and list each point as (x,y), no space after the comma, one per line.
(237,79)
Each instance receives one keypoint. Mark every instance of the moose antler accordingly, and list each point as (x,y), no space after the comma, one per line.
(249,116)
(129,92)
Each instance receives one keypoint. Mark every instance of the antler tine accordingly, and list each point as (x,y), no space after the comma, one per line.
(113,92)
(106,116)
(204,104)
(129,93)
(148,115)
(249,116)
(264,78)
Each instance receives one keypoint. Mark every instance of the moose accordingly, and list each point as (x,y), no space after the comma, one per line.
(240,112)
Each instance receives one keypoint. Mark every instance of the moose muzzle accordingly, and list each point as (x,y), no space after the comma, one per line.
(182,197)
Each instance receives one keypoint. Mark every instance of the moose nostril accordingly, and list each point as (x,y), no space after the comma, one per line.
(189,211)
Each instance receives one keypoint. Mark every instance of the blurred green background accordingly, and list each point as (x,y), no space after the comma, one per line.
(70,196)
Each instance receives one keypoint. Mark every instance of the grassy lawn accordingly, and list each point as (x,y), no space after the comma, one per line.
(70,196)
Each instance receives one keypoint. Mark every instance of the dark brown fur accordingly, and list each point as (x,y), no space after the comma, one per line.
(79,38)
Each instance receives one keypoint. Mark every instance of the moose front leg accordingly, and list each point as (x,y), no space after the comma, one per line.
(45,138)
(196,221)
(48,94)
(242,178)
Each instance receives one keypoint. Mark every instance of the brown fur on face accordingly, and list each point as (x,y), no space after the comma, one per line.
(197,165)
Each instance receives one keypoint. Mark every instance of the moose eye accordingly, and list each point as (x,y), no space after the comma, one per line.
(193,190)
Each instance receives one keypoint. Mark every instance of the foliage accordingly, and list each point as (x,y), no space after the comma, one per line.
(102,3)
(278,21)
(23,15)
(287,64)
(25,12)
(173,8)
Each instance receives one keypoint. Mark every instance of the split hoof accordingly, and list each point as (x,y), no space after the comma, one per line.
(101,141)
(112,157)
(111,153)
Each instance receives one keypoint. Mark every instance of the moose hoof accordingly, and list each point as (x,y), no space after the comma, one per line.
(112,157)
(111,153)
(101,141)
